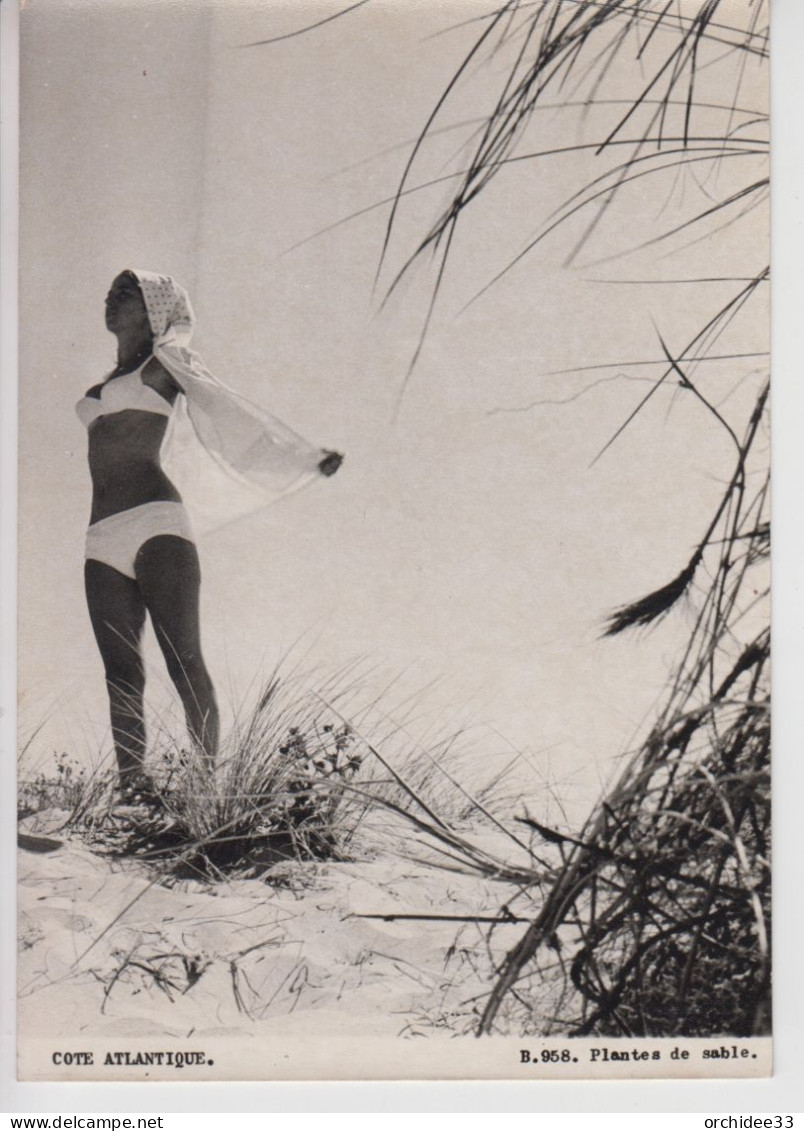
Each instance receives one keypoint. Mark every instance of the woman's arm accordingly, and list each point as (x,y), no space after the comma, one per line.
(156,377)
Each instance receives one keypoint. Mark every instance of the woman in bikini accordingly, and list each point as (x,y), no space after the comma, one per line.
(140,553)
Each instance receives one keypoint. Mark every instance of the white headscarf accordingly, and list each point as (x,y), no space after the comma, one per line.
(252,458)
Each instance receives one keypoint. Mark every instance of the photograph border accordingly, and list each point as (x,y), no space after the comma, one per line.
(785,1088)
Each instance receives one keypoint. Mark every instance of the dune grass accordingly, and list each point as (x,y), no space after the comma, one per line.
(315,768)
(60,785)
(642,73)
(661,909)
(658,919)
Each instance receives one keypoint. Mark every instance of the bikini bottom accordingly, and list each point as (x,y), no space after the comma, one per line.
(116,540)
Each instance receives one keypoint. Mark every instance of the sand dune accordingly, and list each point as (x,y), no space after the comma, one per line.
(107,950)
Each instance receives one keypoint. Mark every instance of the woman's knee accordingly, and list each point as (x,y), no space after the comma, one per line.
(189,674)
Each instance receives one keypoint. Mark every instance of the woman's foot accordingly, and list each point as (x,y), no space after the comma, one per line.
(137,788)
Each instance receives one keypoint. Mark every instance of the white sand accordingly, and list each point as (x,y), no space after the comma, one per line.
(105,951)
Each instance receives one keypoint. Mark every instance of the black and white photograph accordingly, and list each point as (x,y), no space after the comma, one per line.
(393,540)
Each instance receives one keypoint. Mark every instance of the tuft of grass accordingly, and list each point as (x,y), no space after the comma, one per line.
(315,769)
(276,795)
(61,785)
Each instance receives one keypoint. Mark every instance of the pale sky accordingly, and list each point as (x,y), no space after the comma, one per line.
(459,543)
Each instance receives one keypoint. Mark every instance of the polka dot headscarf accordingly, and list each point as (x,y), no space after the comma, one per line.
(167,304)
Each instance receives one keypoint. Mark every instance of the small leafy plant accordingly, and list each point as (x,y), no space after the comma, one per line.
(61,785)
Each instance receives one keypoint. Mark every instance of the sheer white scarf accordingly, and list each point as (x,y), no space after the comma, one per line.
(247,458)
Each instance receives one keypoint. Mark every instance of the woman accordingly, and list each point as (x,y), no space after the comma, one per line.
(140,553)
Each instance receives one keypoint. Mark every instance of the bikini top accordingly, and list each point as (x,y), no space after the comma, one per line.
(120,393)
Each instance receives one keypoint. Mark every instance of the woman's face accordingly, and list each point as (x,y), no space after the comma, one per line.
(125,308)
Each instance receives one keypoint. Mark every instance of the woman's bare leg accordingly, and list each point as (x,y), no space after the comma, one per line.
(117,612)
(169,579)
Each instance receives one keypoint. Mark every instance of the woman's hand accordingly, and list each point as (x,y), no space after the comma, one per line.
(330,463)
